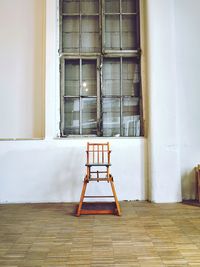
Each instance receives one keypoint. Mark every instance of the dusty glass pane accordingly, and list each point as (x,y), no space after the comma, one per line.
(89,116)
(90,6)
(71,42)
(111,116)
(131,118)
(71,116)
(70,37)
(130,77)
(112,6)
(89,78)
(71,6)
(112,32)
(129,32)
(111,77)
(90,34)
(129,6)
(72,81)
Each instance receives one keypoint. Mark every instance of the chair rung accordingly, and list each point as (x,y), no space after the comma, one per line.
(99,172)
(98,165)
(99,179)
(97,196)
(91,151)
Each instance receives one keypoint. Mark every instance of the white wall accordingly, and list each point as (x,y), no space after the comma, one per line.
(163,128)
(187,21)
(173,88)
(22,69)
(52,170)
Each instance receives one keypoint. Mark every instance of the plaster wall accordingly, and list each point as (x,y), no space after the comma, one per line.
(187,21)
(163,139)
(51,170)
(22,68)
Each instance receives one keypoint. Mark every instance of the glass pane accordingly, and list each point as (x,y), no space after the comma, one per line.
(72,74)
(71,6)
(130,77)
(129,6)
(89,116)
(111,116)
(90,6)
(111,76)
(129,32)
(90,34)
(70,34)
(112,6)
(131,118)
(71,116)
(89,78)
(112,32)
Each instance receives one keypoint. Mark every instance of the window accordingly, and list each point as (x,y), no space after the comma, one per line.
(100,68)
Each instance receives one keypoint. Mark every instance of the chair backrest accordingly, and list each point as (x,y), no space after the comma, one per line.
(98,153)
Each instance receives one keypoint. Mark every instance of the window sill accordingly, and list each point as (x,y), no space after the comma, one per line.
(21,139)
(98,137)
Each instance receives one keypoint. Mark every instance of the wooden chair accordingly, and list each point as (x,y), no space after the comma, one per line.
(197,175)
(98,170)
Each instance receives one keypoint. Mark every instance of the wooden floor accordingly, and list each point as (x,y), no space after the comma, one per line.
(145,235)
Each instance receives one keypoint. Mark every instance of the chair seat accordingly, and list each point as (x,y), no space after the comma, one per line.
(98,164)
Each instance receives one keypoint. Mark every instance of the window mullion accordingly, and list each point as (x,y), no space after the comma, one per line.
(121,100)
(62,100)
(103,26)
(99,83)
(60,27)
(138,26)
(80,97)
(120,26)
(100,25)
(80,28)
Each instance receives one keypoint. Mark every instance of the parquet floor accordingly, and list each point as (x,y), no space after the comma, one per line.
(48,235)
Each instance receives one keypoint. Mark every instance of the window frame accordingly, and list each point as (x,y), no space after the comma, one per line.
(99,57)
(62,75)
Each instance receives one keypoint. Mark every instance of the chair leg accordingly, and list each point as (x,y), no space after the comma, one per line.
(82,196)
(198,186)
(115,196)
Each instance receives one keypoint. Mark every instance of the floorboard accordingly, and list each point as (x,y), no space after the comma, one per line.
(147,234)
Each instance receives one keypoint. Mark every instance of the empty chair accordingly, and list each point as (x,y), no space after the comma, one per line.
(98,170)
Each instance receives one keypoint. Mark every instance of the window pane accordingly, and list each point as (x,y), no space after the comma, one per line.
(70,34)
(89,78)
(130,77)
(111,76)
(71,6)
(112,32)
(111,116)
(131,118)
(71,116)
(112,6)
(129,6)
(89,116)
(129,32)
(90,6)
(90,34)
(72,73)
